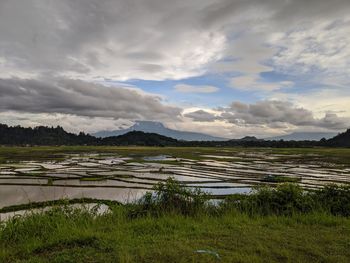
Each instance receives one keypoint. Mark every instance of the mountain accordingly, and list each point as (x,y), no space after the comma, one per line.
(159,128)
(342,140)
(58,136)
(249,139)
(303,136)
(140,138)
(21,136)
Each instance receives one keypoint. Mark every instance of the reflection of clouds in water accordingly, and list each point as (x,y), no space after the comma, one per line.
(105,176)
(13,195)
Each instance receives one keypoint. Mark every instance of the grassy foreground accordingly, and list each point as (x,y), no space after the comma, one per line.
(175,224)
(80,237)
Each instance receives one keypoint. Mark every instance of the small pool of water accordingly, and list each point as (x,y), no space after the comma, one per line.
(159,158)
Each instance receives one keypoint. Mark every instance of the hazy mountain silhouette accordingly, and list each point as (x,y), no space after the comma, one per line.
(159,128)
(303,136)
(41,135)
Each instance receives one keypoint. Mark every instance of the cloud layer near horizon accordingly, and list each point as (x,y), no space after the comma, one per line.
(77,97)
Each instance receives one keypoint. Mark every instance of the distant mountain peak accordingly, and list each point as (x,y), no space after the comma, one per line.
(249,138)
(159,128)
(148,124)
(302,136)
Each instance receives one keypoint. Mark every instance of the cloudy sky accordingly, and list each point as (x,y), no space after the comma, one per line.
(224,67)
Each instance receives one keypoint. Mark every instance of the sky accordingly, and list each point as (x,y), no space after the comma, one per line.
(228,68)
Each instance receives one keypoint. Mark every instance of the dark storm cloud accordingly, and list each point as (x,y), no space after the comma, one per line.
(81,98)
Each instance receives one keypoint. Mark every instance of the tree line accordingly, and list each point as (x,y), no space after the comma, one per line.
(42,135)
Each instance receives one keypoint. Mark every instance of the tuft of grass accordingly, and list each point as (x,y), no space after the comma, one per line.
(93,178)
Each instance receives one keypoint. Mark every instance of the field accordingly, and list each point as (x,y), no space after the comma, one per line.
(272,225)
(36,174)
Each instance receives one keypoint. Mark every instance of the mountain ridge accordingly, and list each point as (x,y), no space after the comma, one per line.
(342,139)
(159,128)
(303,136)
(42,135)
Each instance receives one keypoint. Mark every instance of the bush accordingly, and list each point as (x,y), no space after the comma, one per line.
(282,200)
(334,199)
(171,197)
(287,199)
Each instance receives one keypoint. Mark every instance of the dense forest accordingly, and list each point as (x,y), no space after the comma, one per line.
(21,136)
(41,135)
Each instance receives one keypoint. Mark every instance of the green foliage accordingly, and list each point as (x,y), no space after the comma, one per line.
(288,199)
(42,136)
(171,196)
(271,224)
(334,199)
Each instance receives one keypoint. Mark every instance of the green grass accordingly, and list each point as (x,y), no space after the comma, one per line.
(282,224)
(79,236)
(93,179)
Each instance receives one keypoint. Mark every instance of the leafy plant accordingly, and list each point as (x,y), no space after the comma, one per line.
(171,196)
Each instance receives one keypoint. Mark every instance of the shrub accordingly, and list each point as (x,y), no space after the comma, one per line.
(287,199)
(171,197)
(284,199)
(334,199)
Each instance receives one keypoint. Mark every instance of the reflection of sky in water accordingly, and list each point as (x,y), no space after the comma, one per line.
(159,158)
(116,178)
(11,195)
(227,191)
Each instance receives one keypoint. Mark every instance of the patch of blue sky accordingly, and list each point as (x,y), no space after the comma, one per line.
(224,96)
(303,83)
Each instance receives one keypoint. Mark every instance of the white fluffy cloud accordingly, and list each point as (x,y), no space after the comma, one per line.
(320,47)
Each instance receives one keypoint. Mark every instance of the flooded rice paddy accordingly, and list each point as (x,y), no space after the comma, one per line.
(126,177)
